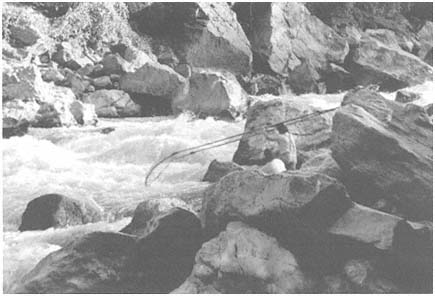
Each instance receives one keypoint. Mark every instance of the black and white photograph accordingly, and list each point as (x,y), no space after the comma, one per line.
(217,147)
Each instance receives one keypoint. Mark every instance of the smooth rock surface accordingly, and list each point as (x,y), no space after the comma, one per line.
(55,210)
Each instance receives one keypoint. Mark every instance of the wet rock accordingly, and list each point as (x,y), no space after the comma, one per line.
(261,84)
(102,82)
(93,264)
(164,256)
(323,162)
(202,34)
(390,68)
(242,259)
(112,103)
(84,114)
(13,127)
(274,203)
(283,35)
(276,109)
(55,210)
(385,151)
(22,36)
(216,170)
(112,64)
(148,210)
(403,96)
(212,93)
(429,57)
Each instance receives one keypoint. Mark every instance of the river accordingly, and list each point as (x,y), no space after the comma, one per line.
(108,170)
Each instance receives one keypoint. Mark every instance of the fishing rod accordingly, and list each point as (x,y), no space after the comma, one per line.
(231,139)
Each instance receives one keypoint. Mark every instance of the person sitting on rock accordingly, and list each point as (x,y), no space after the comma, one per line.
(285,143)
(273,165)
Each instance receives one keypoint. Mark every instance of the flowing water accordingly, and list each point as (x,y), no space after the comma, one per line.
(107,170)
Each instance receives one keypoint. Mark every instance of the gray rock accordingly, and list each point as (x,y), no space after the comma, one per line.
(385,151)
(242,259)
(216,170)
(102,82)
(323,162)
(273,203)
(425,38)
(55,210)
(92,264)
(52,75)
(283,35)
(13,127)
(22,36)
(112,103)
(148,210)
(202,34)
(157,262)
(391,68)
(212,93)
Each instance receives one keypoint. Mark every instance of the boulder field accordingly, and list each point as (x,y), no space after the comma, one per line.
(354,217)
(205,58)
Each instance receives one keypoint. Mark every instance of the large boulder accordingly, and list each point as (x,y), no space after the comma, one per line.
(216,170)
(163,256)
(373,62)
(157,81)
(112,103)
(92,264)
(241,260)
(84,114)
(273,203)
(316,129)
(285,35)
(385,150)
(213,93)
(156,262)
(201,34)
(55,210)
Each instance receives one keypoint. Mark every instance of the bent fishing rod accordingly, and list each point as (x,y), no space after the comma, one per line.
(231,139)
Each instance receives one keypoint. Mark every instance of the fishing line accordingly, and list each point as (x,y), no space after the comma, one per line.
(231,139)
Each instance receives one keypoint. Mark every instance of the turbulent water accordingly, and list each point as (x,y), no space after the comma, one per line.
(108,170)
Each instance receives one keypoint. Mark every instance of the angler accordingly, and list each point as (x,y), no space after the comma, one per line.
(289,160)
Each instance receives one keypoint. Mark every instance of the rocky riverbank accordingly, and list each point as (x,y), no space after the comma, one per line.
(355,217)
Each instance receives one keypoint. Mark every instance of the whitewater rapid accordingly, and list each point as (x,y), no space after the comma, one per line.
(109,170)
